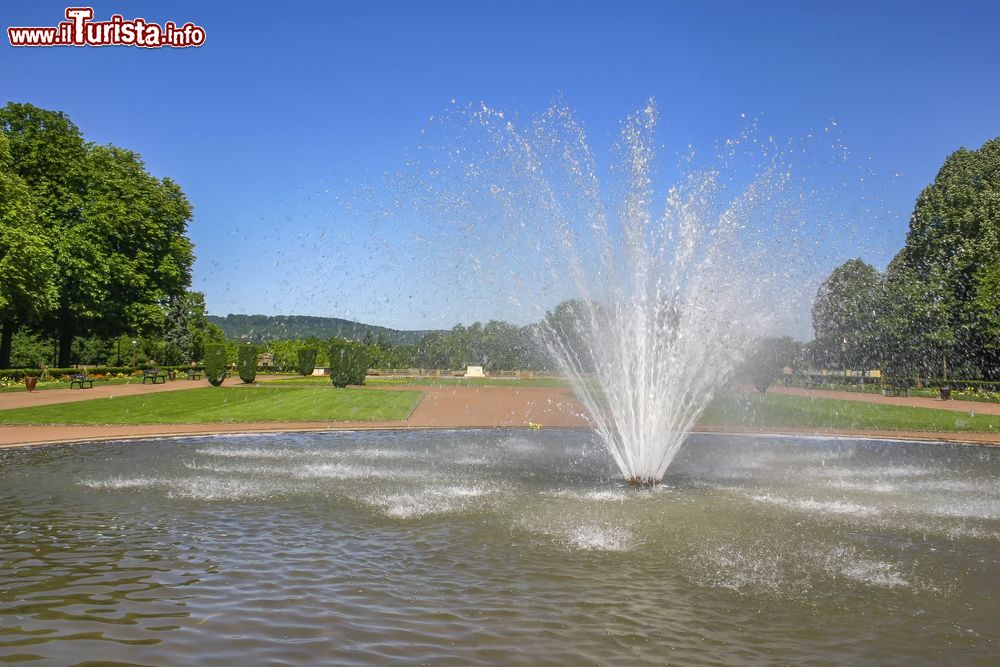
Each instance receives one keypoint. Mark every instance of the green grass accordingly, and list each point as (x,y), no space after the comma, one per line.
(470,382)
(780,410)
(226,404)
(432,382)
(313,399)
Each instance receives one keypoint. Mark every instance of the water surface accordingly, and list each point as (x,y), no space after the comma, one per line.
(448,547)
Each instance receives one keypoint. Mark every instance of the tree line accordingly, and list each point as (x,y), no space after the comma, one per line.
(96,267)
(935,310)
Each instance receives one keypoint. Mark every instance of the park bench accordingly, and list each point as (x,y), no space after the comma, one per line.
(897,387)
(193,374)
(153,374)
(80,379)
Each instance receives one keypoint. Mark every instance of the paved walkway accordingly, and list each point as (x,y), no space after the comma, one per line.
(25,399)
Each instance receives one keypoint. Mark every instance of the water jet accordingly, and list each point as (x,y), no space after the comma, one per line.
(663,291)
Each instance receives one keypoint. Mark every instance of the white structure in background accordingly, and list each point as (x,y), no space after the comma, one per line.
(474,372)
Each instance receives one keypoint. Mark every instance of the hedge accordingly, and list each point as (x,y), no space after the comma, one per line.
(246,362)
(216,363)
(19,373)
(307,360)
(348,363)
(960,385)
(801,379)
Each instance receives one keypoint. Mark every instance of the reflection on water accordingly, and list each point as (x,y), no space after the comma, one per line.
(497,547)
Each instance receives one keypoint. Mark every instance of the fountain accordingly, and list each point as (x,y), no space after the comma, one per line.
(666,299)
(506,547)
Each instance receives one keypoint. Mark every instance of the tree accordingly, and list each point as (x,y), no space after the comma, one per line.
(307,360)
(845,314)
(913,327)
(49,154)
(216,363)
(176,333)
(987,301)
(951,249)
(116,233)
(349,362)
(246,362)
(134,232)
(496,346)
(566,326)
(187,329)
(27,289)
(938,311)
(769,358)
(30,351)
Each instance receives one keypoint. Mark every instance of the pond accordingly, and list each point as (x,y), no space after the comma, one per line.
(497,547)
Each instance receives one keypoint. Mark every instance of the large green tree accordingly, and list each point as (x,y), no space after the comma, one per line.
(988,307)
(936,310)
(134,235)
(952,252)
(117,234)
(914,333)
(845,317)
(48,154)
(187,329)
(27,289)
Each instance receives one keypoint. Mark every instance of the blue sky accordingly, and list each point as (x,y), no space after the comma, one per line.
(285,102)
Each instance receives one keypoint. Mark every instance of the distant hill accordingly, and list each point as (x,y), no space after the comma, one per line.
(260,328)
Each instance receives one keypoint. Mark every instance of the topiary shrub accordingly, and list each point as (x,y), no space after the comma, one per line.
(307,360)
(246,362)
(348,363)
(215,363)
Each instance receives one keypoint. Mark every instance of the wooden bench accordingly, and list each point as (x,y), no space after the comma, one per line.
(895,387)
(80,379)
(193,374)
(153,374)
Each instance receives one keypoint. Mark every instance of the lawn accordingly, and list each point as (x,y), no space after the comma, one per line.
(780,410)
(443,381)
(313,399)
(226,404)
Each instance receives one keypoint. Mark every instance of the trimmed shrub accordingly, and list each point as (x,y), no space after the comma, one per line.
(307,360)
(246,362)
(215,363)
(348,363)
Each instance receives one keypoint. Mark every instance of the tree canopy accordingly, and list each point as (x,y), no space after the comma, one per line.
(108,237)
(27,290)
(936,309)
(845,314)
